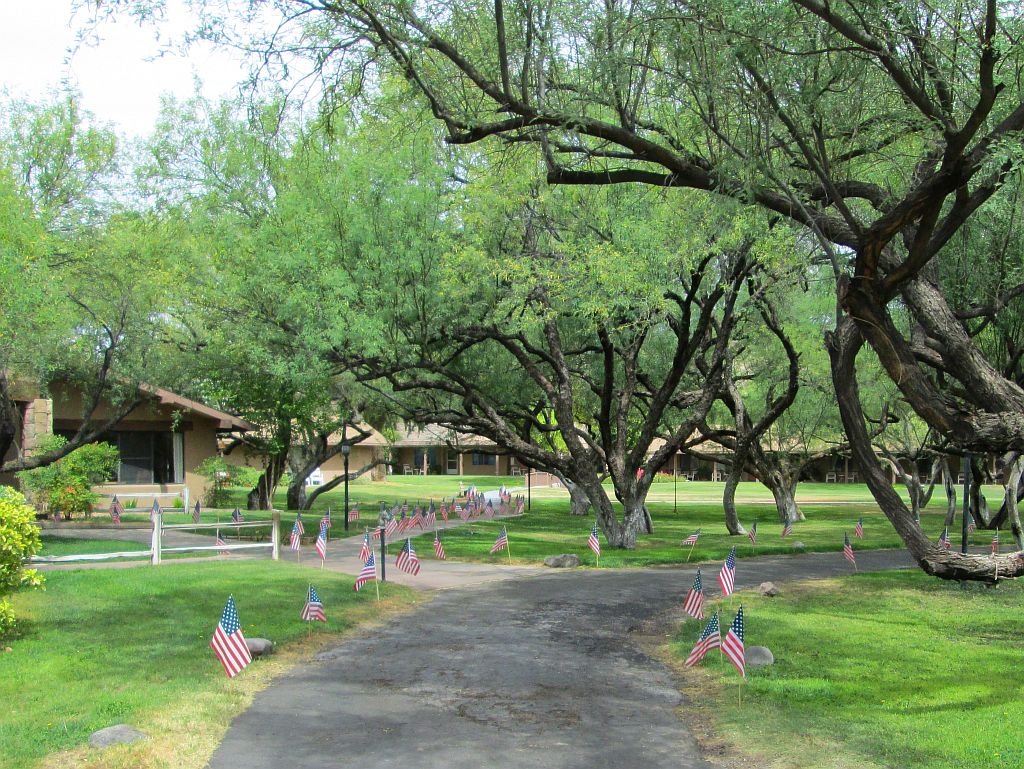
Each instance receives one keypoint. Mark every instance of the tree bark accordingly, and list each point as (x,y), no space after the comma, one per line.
(732,518)
(261,497)
(1013,510)
(579,502)
(950,488)
(784,491)
(843,345)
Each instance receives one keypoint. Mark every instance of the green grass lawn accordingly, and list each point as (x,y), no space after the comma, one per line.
(101,647)
(677,509)
(549,530)
(893,670)
(78,546)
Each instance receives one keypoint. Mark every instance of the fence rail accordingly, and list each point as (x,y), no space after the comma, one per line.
(157,549)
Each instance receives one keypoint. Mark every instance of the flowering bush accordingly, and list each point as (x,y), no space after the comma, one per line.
(19,539)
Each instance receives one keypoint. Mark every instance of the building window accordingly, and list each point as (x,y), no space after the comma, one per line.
(483,459)
(146,456)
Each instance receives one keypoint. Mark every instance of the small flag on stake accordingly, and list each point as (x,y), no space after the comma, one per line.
(367,573)
(733,644)
(501,543)
(407,560)
(116,509)
(859,528)
(438,548)
(752,534)
(944,538)
(787,527)
(236,515)
(710,639)
(197,513)
(594,543)
(296,537)
(314,609)
(727,576)
(694,604)
(228,643)
(321,543)
(848,550)
(364,551)
(221,543)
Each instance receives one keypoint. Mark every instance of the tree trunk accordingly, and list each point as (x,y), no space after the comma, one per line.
(579,502)
(296,494)
(1013,509)
(262,495)
(784,493)
(732,519)
(950,487)
(843,345)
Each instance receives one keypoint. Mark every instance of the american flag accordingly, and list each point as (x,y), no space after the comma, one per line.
(438,548)
(489,510)
(296,538)
(431,515)
(859,528)
(692,539)
(116,509)
(944,538)
(221,543)
(444,511)
(314,609)
(364,551)
(848,549)
(787,527)
(461,511)
(367,574)
(407,560)
(353,514)
(971,525)
(710,639)
(405,507)
(155,510)
(520,505)
(995,543)
(733,644)
(727,576)
(236,515)
(321,542)
(327,517)
(228,643)
(752,533)
(392,525)
(593,542)
(501,542)
(377,532)
(694,604)
(197,513)
(299,524)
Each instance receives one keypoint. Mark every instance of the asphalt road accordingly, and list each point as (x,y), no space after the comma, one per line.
(542,671)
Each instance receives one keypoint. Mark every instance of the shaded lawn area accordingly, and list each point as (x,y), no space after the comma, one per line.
(892,669)
(549,530)
(677,510)
(78,546)
(100,647)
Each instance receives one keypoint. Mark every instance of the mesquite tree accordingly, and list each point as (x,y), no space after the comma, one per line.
(568,317)
(880,129)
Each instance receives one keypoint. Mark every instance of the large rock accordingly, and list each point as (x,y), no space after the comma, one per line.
(563,561)
(759,656)
(259,647)
(798,545)
(119,734)
(768,589)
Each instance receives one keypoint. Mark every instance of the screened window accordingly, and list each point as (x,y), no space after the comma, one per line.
(483,459)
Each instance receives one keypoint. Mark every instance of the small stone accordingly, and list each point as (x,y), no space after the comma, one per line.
(798,545)
(563,561)
(119,734)
(768,589)
(759,656)
(259,647)
(8,649)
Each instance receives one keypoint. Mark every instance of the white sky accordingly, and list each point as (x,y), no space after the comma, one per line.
(121,78)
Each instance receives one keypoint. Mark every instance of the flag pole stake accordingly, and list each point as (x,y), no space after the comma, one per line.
(690,553)
(376,584)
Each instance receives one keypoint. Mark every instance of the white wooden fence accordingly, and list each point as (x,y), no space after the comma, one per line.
(157,550)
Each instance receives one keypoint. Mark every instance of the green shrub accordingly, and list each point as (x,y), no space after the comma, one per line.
(19,539)
(221,476)
(65,486)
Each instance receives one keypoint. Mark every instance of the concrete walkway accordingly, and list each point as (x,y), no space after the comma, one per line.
(545,671)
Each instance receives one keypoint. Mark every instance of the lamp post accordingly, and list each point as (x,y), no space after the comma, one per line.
(345,451)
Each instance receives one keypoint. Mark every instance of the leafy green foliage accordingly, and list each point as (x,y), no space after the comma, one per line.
(65,486)
(19,539)
(221,475)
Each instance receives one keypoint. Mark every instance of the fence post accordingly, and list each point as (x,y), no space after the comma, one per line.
(275,536)
(157,542)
